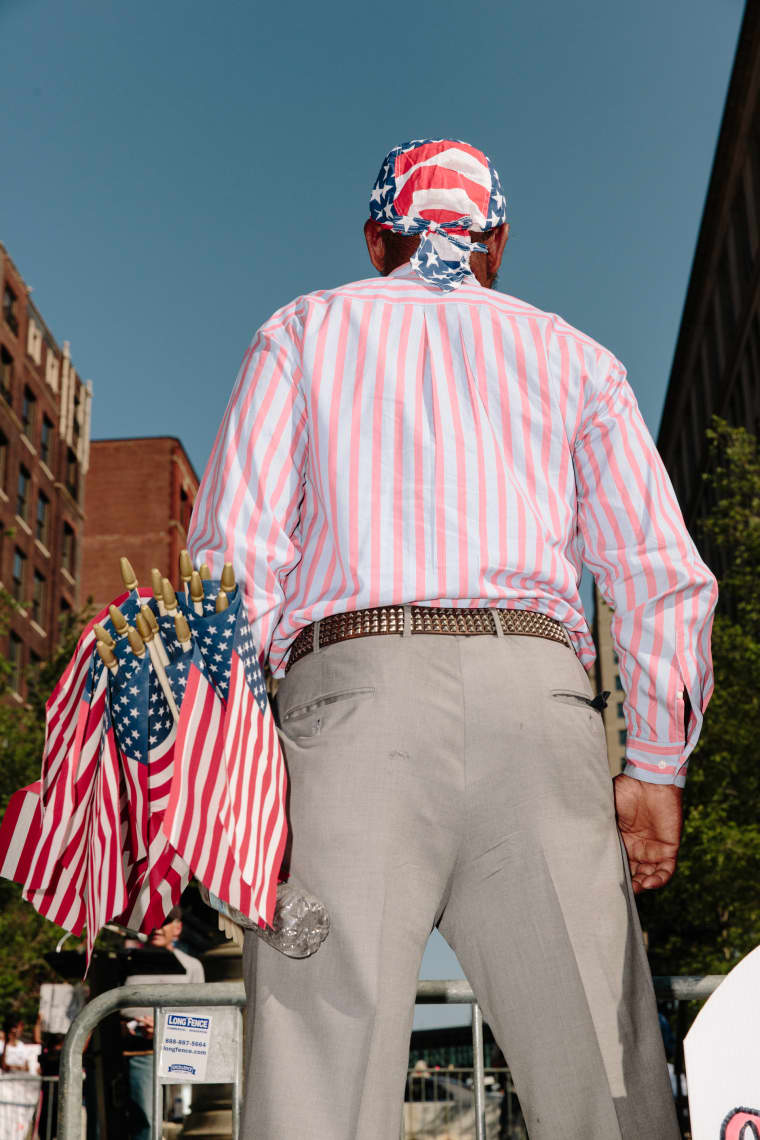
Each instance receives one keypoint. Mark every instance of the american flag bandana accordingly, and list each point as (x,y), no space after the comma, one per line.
(440,189)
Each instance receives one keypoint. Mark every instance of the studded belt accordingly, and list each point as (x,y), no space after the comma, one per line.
(425,619)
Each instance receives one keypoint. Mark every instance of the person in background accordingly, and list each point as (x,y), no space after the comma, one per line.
(18,1098)
(137,1027)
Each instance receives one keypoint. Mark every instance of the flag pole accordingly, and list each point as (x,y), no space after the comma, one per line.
(137,645)
(147,613)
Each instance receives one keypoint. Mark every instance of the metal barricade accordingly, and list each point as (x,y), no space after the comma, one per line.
(43,1084)
(161,997)
(216,994)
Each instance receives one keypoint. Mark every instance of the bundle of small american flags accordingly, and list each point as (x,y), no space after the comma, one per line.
(161,759)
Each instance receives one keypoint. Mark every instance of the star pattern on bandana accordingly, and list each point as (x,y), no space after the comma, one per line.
(432,265)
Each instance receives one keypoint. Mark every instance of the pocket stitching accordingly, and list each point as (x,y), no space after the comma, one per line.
(298,711)
(567,697)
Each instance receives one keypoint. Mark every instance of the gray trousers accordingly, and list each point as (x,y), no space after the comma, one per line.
(463,782)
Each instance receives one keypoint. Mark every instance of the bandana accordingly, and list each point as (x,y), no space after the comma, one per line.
(440,189)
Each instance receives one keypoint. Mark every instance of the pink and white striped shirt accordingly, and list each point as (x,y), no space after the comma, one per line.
(386,442)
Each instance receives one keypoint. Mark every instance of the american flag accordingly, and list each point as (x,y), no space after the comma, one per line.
(44,833)
(229,769)
(146,733)
(128,799)
(106,887)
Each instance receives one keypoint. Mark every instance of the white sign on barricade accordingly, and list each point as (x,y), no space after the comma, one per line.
(199,1045)
(722,1053)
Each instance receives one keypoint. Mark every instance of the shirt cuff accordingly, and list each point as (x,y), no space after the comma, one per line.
(655,763)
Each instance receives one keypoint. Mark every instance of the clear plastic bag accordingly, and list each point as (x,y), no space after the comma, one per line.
(299,927)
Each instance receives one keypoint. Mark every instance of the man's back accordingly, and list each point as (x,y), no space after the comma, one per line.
(388,443)
(433,433)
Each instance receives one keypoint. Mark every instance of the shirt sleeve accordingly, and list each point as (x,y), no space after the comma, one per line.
(634,540)
(247,508)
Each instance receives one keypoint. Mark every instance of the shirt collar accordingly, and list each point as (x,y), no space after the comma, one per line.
(407,272)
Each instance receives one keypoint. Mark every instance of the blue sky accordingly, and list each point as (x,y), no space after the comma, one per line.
(172,172)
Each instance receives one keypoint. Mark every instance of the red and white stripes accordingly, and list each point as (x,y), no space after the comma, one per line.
(387,443)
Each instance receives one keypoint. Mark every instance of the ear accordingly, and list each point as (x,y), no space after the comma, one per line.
(496,240)
(373,234)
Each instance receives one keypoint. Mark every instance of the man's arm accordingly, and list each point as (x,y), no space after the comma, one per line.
(647,568)
(247,508)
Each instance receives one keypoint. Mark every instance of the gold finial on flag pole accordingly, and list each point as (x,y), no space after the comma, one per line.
(156,579)
(128,576)
(103,635)
(185,567)
(196,592)
(106,654)
(183,632)
(222,602)
(146,613)
(204,571)
(170,598)
(136,643)
(228,578)
(118,621)
(147,633)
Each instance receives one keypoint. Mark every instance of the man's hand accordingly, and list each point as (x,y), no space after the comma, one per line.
(650,818)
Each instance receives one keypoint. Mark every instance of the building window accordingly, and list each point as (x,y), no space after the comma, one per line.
(6,375)
(15,652)
(618,683)
(622,736)
(19,573)
(75,419)
(22,499)
(620,710)
(46,440)
(43,518)
(39,595)
(185,509)
(10,309)
(27,413)
(72,474)
(3,459)
(68,550)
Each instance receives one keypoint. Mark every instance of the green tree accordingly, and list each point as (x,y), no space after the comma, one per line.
(25,936)
(709,915)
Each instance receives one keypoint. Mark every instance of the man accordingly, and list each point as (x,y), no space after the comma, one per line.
(410,472)
(137,1025)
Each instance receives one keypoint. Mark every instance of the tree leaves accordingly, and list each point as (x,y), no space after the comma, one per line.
(25,935)
(709,916)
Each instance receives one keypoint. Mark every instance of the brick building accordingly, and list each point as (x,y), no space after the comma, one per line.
(716,365)
(140,495)
(44,453)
